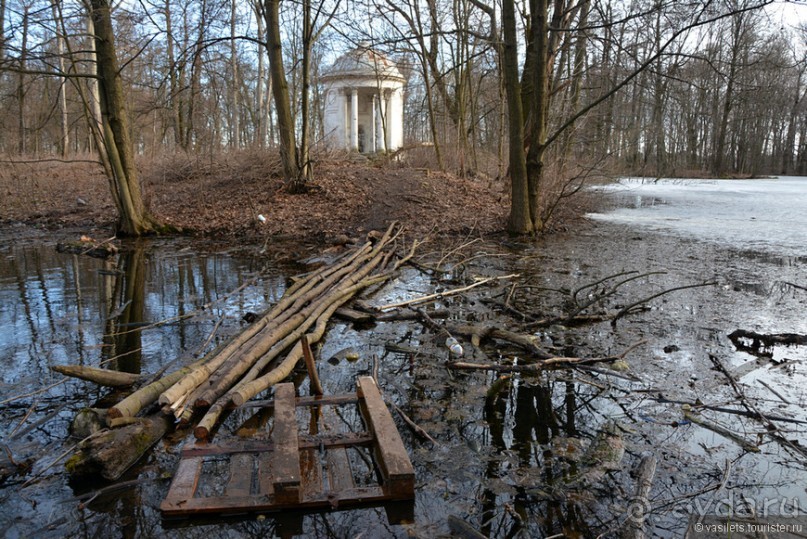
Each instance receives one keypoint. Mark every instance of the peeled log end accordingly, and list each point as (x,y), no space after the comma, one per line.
(114,451)
(201,433)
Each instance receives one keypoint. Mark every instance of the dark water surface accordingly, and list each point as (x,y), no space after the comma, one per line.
(513,457)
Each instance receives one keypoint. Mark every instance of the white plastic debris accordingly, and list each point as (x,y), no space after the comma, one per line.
(454,348)
(261,218)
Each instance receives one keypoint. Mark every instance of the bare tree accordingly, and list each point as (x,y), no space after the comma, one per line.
(133,218)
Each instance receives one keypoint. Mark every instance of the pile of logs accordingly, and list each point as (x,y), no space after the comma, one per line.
(259,357)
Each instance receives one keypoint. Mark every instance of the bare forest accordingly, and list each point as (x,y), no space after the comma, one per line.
(712,88)
(546,279)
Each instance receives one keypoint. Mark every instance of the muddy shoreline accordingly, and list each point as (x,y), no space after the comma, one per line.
(508,445)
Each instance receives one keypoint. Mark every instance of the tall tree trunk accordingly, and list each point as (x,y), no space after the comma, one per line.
(21,129)
(280,93)
(191,137)
(520,220)
(260,99)
(718,165)
(64,142)
(539,107)
(305,117)
(2,32)
(133,219)
(173,76)
(235,123)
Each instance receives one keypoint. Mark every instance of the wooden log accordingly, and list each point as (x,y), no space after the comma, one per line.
(248,388)
(297,295)
(231,371)
(725,433)
(112,452)
(103,377)
(131,405)
(441,295)
(640,505)
(527,342)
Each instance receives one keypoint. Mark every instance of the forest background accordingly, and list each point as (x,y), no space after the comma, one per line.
(591,88)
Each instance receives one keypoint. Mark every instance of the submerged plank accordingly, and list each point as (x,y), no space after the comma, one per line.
(240,481)
(340,476)
(265,480)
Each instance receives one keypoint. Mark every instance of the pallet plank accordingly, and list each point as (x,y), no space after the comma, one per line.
(286,462)
(311,469)
(294,470)
(184,483)
(339,473)
(304,441)
(230,504)
(393,460)
(265,480)
(240,482)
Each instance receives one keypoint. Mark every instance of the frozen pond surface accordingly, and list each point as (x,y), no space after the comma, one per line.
(768,215)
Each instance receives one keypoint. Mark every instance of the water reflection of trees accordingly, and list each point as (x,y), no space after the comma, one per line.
(525,417)
(124,293)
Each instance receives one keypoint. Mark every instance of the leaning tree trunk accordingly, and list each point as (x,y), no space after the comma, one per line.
(295,182)
(133,219)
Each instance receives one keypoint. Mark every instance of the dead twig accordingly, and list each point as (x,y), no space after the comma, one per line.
(772,390)
(440,295)
(724,432)
(417,429)
(627,309)
(308,356)
(772,429)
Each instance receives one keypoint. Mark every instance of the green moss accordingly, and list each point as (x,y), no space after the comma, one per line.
(74,463)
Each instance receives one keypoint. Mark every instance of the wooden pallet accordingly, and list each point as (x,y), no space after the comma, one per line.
(294,471)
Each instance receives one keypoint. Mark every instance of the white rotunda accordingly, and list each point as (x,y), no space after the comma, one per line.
(363,94)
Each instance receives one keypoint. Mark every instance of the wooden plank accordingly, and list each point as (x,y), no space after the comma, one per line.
(230,504)
(185,481)
(265,486)
(340,476)
(240,481)
(393,460)
(304,441)
(314,400)
(311,470)
(286,461)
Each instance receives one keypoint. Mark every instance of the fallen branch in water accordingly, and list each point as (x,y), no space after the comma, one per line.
(543,363)
(635,304)
(771,428)
(414,426)
(645,472)
(724,432)
(796,286)
(103,377)
(440,295)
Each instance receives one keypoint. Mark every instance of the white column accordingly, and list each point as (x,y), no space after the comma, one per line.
(396,120)
(390,119)
(373,141)
(354,119)
(383,118)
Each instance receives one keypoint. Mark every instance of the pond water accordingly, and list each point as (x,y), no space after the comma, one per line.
(511,448)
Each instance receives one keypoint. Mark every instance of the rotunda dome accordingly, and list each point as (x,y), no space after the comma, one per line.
(363,62)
